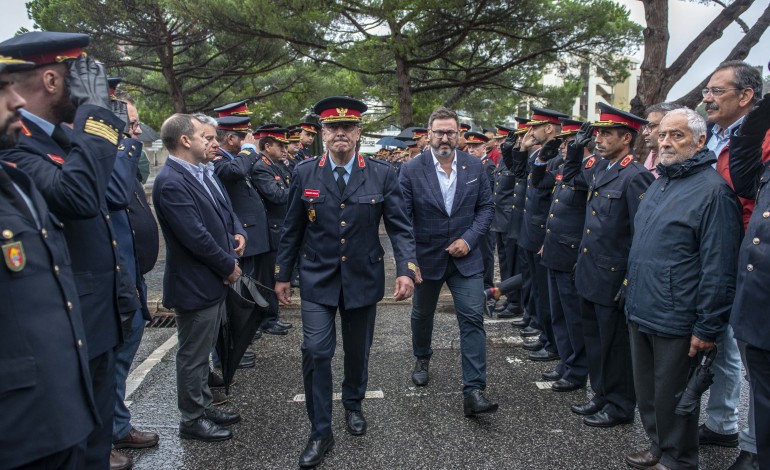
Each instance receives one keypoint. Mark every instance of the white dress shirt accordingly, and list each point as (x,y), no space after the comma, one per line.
(447,183)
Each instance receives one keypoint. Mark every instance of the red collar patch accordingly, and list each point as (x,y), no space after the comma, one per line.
(323,161)
(627,160)
(267,162)
(559,177)
(590,162)
(25,131)
(56,159)
(312,193)
(361,161)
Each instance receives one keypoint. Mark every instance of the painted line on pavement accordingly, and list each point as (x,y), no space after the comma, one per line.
(136,377)
(300,397)
(544,385)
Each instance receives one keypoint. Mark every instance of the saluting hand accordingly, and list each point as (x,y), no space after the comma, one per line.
(403,288)
(283,292)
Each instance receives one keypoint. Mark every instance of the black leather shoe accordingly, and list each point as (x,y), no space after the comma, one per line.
(222,418)
(564,385)
(511,311)
(601,419)
(314,452)
(246,362)
(535,345)
(529,331)
(543,355)
(551,375)
(642,459)
(476,404)
(745,461)
(283,324)
(586,409)
(520,323)
(274,329)
(203,429)
(420,372)
(707,437)
(355,422)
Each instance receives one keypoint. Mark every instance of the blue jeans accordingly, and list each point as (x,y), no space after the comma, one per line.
(468,296)
(725,392)
(124,356)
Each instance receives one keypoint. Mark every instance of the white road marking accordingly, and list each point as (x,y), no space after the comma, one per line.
(136,377)
(544,385)
(513,360)
(300,398)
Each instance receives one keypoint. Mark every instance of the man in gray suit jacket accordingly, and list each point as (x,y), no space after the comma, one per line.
(451,217)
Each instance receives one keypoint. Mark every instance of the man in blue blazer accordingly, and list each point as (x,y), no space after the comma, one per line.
(199,226)
(448,198)
(336,203)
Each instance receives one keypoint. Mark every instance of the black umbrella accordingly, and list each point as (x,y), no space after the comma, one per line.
(699,381)
(243,314)
(389,141)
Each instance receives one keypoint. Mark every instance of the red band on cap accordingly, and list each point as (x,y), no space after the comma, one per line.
(237,111)
(340,114)
(309,129)
(620,120)
(55,56)
(543,117)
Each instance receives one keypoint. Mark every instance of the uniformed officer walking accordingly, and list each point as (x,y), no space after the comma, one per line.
(616,186)
(336,203)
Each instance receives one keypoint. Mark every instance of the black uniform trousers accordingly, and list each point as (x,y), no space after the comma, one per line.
(487,245)
(567,326)
(522,267)
(661,368)
(262,268)
(609,358)
(99,442)
(758,361)
(539,306)
(67,459)
(506,254)
(319,342)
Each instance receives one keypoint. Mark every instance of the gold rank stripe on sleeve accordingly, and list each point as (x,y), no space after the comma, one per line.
(102,130)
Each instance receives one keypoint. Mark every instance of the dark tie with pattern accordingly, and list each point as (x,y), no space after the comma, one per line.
(341,179)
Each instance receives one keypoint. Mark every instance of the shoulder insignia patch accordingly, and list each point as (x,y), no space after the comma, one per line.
(56,159)
(590,162)
(627,160)
(101,129)
(13,253)
(246,152)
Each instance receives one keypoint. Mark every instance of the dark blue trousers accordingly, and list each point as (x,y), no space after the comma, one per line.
(468,297)
(567,326)
(319,342)
(759,364)
(609,358)
(99,443)
(539,306)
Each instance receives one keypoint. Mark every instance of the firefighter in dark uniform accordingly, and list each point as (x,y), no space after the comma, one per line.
(71,168)
(239,109)
(749,148)
(515,141)
(461,144)
(307,136)
(616,186)
(292,149)
(336,203)
(563,231)
(502,194)
(46,398)
(474,143)
(271,179)
(544,126)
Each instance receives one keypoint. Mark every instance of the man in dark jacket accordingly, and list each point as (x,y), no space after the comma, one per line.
(681,283)
(749,148)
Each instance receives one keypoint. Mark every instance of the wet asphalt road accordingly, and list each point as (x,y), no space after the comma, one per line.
(409,427)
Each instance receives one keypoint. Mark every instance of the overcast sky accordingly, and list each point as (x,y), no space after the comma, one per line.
(687,19)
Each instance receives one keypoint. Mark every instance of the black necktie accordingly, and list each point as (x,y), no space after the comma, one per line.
(341,179)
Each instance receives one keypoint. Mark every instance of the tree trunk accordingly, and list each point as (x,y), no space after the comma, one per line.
(405,108)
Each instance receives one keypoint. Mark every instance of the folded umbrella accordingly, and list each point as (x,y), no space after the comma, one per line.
(244,307)
(700,380)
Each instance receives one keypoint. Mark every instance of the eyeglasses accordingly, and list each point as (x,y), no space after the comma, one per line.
(442,134)
(650,126)
(716,92)
(134,125)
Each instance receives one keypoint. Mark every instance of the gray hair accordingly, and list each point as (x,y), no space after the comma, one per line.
(695,122)
(663,108)
(205,120)
(174,128)
(746,76)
